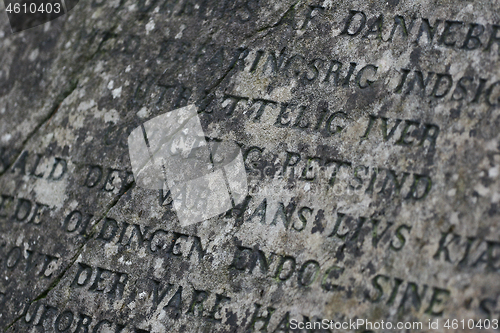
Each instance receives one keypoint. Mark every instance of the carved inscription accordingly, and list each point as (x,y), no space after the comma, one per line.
(468,252)
(454,34)
(359,178)
(21,210)
(30,261)
(362,126)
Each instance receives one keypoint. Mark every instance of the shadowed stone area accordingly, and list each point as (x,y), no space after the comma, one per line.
(369,135)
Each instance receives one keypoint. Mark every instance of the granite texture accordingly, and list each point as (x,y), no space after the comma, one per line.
(370,137)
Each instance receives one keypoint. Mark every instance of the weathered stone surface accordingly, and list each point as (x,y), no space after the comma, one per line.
(370,137)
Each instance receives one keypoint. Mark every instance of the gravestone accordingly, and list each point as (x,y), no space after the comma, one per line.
(369,137)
